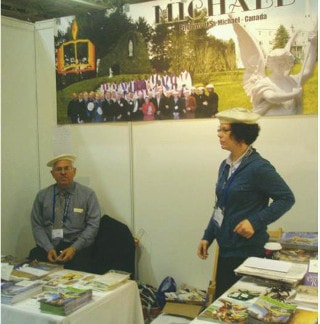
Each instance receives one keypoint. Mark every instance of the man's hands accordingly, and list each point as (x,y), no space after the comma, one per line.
(52,255)
(64,256)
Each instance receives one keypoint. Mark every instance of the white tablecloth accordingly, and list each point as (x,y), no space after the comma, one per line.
(169,319)
(119,306)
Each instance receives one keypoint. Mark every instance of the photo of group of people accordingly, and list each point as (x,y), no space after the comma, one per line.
(159,97)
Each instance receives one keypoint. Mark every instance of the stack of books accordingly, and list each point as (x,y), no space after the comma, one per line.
(15,291)
(108,281)
(64,301)
(287,272)
(33,270)
(307,297)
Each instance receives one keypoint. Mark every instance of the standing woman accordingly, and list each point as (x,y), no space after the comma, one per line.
(250,195)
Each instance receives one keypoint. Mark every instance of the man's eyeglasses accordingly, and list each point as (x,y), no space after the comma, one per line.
(67,168)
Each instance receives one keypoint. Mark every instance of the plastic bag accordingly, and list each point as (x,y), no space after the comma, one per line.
(168,284)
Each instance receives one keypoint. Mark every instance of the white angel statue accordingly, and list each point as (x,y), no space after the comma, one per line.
(279,92)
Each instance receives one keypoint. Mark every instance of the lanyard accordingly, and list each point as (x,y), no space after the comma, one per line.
(66,207)
(226,185)
(226,190)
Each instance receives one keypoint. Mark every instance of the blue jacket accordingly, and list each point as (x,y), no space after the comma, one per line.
(256,192)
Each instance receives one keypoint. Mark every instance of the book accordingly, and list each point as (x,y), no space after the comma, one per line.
(225,310)
(98,283)
(232,306)
(268,310)
(307,297)
(300,240)
(311,277)
(15,291)
(304,316)
(34,270)
(65,278)
(110,280)
(297,255)
(188,295)
(6,270)
(291,273)
(64,301)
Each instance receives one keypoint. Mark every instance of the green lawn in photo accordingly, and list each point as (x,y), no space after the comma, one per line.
(228,85)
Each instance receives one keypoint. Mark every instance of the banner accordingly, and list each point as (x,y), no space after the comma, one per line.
(188,59)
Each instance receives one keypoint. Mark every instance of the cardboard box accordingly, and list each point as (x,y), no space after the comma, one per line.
(182,309)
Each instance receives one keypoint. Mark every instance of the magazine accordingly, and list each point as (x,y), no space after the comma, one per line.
(300,240)
(232,306)
(67,278)
(269,310)
(226,310)
(110,280)
(34,270)
(297,255)
(98,283)
(15,291)
(307,297)
(311,277)
(64,301)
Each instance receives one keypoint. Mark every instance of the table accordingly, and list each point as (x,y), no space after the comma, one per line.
(249,284)
(121,305)
(170,319)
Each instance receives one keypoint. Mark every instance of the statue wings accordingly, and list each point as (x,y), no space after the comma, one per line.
(252,56)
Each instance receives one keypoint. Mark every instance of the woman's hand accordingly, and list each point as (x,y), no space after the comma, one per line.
(203,249)
(244,229)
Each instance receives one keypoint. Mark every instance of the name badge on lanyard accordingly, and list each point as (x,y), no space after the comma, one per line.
(218,216)
(57,233)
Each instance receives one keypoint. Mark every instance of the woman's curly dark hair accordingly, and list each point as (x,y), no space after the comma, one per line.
(246,133)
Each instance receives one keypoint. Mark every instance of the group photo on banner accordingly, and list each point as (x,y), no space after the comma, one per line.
(163,60)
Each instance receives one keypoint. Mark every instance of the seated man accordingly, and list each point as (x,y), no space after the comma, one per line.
(65,218)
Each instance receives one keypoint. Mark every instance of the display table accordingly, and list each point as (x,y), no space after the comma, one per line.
(121,305)
(232,305)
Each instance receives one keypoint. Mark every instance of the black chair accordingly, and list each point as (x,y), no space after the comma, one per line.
(114,247)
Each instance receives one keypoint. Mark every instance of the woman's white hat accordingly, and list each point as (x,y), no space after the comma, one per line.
(238,115)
